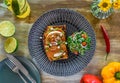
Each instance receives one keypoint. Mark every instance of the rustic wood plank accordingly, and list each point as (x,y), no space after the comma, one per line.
(38,7)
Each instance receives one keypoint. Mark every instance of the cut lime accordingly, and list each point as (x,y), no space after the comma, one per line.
(15,7)
(20,8)
(10,45)
(26,13)
(7,28)
(8,4)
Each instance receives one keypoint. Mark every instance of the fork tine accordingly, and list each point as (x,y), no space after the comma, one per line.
(10,64)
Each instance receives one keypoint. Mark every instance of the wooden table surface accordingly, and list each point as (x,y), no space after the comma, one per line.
(38,7)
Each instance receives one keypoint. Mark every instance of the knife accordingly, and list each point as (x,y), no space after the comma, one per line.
(21,67)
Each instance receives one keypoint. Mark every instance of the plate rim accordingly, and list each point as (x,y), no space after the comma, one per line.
(25,61)
(70,11)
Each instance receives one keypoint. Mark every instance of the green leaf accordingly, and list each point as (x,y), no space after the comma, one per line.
(69,39)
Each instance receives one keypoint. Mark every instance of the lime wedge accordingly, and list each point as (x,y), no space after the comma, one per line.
(8,4)
(7,28)
(20,8)
(26,13)
(15,7)
(10,45)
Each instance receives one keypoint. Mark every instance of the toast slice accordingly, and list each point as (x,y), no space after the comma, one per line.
(55,42)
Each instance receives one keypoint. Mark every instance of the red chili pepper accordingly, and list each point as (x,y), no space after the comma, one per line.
(107,41)
(89,78)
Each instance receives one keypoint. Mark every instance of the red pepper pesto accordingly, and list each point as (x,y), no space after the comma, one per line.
(55,42)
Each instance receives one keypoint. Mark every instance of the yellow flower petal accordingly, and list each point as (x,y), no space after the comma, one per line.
(105,5)
(116,4)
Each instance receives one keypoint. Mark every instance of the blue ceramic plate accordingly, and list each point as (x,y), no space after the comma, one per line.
(74,22)
(7,76)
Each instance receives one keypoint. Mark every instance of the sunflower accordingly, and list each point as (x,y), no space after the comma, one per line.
(105,5)
(116,4)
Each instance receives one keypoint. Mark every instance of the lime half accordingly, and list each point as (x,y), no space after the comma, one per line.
(10,45)
(7,28)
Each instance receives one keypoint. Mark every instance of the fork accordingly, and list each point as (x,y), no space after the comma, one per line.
(14,68)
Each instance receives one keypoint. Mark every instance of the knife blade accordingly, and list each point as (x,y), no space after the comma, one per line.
(21,67)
